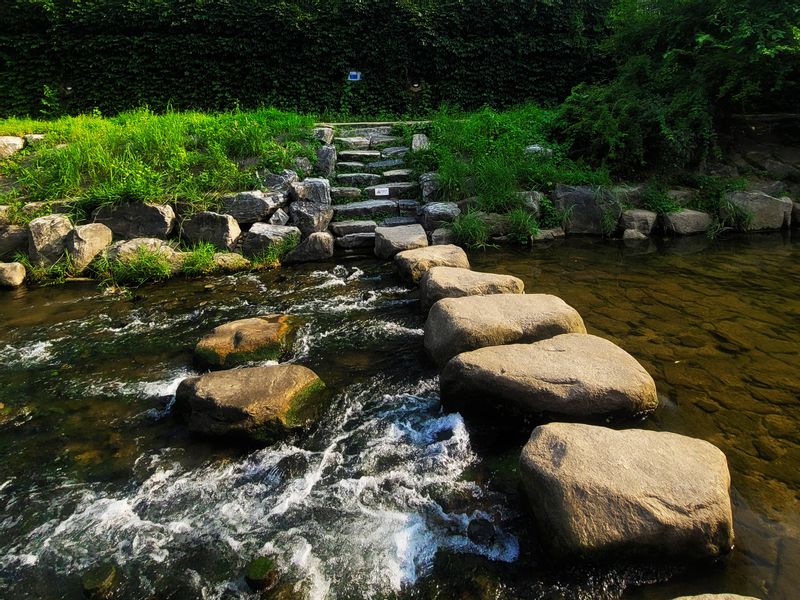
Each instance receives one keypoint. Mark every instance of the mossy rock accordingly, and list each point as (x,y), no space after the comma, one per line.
(98,583)
(247,340)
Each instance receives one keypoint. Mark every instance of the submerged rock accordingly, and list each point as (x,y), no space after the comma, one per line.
(762,212)
(12,274)
(257,404)
(98,583)
(457,325)
(316,247)
(577,375)
(85,242)
(222,230)
(451,282)
(137,220)
(391,240)
(596,492)
(48,238)
(687,222)
(245,340)
(413,264)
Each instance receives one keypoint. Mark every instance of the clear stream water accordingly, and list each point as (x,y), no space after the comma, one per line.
(389,495)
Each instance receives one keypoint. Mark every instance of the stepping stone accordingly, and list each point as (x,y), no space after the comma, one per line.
(358,179)
(395,190)
(600,493)
(367,131)
(350,167)
(356,240)
(379,140)
(246,340)
(413,264)
(450,282)
(342,228)
(359,155)
(347,194)
(409,208)
(687,222)
(367,208)
(352,143)
(572,375)
(457,325)
(399,221)
(396,175)
(395,152)
(258,404)
(379,166)
(391,240)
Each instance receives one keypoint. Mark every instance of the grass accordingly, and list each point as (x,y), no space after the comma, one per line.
(200,260)
(470,230)
(144,266)
(54,274)
(551,217)
(655,198)
(138,156)
(271,257)
(522,225)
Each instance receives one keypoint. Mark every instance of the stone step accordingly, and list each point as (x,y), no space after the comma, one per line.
(358,179)
(356,240)
(347,194)
(342,228)
(352,143)
(394,190)
(379,141)
(409,207)
(377,209)
(396,175)
(379,166)
(366,131)
(360,155)
(350,167)
(395,152)
(398,221)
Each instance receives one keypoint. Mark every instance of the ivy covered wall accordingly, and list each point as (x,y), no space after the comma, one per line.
(215,54)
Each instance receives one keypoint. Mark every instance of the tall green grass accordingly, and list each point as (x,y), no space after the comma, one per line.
(139,156)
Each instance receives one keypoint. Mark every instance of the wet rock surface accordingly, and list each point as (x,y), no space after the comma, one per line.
(243,341)
(391,240)
(413,264)
(451,282)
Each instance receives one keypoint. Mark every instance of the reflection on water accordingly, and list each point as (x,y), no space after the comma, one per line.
(387,495)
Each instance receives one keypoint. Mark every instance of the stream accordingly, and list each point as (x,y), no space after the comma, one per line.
(388,495)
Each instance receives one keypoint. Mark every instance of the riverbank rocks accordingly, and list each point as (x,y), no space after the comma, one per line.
(436,214)
(85,242)
(457,325)
(577,375)
(12,274)
(245,340)
(687,222)
(257,404)
(596,492)
(642,221)
(311,189)
(47,239)
(342,228)
(231,262)
(326,160)
(391,240)
(763,212)
(127,250)
(591,210)
(251,207)
(10,144)
(263,235)
(137,220)
(453,282)
(221,230)
(443,236)
(13,239)
(316,247)
(310,217)
(413,264)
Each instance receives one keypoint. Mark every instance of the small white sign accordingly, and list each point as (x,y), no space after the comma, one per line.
(381,192)
(354,76)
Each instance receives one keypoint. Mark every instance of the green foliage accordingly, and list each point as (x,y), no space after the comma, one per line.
(54,274)
(144,266)
(140,156)
(272,256)
(200,260)
(550,217)
(522,225)
(470,230)
(656,199)
(213,55)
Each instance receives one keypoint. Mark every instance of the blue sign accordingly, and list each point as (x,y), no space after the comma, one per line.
(354,76)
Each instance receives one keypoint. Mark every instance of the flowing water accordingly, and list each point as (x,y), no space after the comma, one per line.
(388,495)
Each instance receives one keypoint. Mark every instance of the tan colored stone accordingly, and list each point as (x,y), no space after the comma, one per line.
(391,240)
(578,375)
(716,597)
(457,325)
(47,240)
(453,282)
(242,341)
(85,242)
(12,274)
(413,264)
(597,492)
(258,404)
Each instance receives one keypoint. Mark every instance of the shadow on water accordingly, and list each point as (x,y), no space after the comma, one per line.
(388,495)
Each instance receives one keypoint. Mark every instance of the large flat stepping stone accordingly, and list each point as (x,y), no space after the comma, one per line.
(350,167)
(363,156)
(395,151)
(395,175)
(367,208)
(451,282)
(391,240)
(345,194)
(358,179)
(413,264)
(596,492)
(457,325)
(352,143)
(259,404)
(576,375)
(245,340)
(342,228)
(379,166)
(394,190)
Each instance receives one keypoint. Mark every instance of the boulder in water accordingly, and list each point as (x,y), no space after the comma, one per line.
(453,282)
(256,404)
(576,375)
(261,573)
(12,274)
(762,212)
(48,237)
(85,242)
(596,492)
(245,340)
(413,264)
(391,240)
(316,247)
(687,222)
(457,325)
